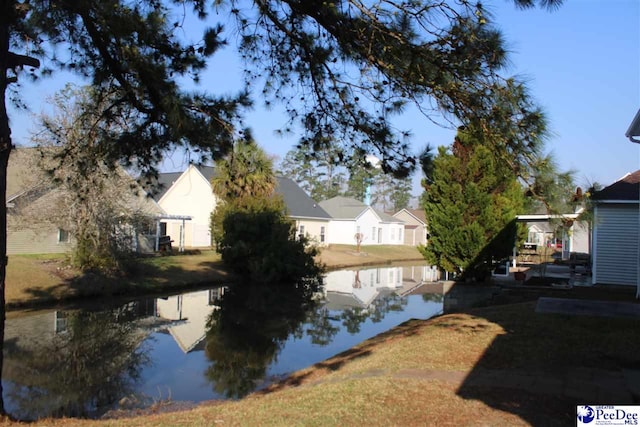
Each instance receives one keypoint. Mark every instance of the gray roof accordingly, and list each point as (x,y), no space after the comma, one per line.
(337,301)
(384,217)
(163,184)
(299,204)
(343,207)
(626,188)
(206,171)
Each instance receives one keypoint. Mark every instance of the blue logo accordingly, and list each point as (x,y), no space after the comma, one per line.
(586,414)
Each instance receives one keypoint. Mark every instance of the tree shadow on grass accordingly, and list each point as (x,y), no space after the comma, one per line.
(318,371)
(542,365)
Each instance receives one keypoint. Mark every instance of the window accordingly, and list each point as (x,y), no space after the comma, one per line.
(301,232)
(400,235)
(373,234)
(63,236)
(358,229)
(321,234)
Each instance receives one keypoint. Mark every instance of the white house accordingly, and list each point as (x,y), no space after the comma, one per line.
(415,226)
(616,229)
(573,238)
(350,217)
(189,193)
(310,219)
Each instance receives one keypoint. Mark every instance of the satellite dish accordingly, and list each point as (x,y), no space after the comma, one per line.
(373,161)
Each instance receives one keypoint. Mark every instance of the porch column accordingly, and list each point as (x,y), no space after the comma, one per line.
(157,235)
(181,242)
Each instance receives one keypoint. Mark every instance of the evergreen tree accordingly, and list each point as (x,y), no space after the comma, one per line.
(471,202)
(390,193)
(361,179)
(316,172)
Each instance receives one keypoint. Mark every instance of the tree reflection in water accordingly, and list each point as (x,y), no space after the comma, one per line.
(353,318)
(247,333)
(92,362)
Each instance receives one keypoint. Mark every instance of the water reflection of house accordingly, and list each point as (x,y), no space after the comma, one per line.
(359,288)
(190,313)
(416,275)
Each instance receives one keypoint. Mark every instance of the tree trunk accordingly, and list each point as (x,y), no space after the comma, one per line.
(5,149)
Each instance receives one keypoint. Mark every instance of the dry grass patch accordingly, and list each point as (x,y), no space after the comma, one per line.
(341,256)
(41,279)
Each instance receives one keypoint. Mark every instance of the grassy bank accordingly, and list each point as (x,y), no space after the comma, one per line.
(342,256)
(46,279)
(43,279)
(504,365)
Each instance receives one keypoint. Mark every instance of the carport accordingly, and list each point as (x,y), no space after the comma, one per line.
(547,218)
(159,219)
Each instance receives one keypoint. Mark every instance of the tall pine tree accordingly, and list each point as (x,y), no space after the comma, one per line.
(471,202)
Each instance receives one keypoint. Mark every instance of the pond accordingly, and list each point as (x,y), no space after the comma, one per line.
(211,344)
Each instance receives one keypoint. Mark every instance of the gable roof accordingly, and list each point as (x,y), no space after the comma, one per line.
(343,207)
(299,204)
(20,175)
(28,184)
(626,188)
(159,187)
(418,214)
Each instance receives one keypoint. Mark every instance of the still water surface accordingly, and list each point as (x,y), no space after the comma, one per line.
(210,344)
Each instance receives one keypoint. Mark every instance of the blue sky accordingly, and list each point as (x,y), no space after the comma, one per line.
(582,64)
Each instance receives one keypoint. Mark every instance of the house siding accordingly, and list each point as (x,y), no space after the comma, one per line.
(35,241)
(616,244)
(366,222)
(580,237)
(191,195)
(393,234)
(312,229)
(343,232)
(412,236)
